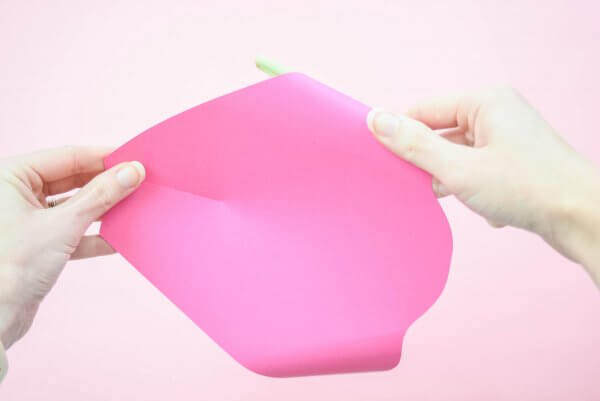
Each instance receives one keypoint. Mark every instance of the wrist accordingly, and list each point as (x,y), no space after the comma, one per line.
(575,221)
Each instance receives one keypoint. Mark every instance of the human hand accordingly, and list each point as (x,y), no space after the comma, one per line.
(37,241)
(503,161)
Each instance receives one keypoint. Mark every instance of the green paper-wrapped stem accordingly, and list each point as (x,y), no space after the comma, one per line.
(270,67)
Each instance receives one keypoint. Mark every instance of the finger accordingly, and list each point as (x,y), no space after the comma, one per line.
(91,246)
(53,202)
(456,135)
(416,143)
(68,183)
(446,111)
(104,191)
(56,164)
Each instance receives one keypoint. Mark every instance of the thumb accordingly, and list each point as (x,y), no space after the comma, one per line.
(415,142)
(105,191)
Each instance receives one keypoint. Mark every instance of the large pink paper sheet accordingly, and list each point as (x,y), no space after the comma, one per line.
(274,220)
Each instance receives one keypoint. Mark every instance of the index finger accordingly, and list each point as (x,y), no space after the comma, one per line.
(449,111)
(56,164)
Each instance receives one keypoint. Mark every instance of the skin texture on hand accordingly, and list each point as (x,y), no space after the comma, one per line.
(38,240)
(498,156)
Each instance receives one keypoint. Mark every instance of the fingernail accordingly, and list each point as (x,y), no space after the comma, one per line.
(131,174)
(371,117)
(382,123)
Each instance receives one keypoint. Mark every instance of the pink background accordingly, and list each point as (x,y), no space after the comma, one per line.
(516,321)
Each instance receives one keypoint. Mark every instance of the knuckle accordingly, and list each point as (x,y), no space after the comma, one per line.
(104,198)
(413,141)
(414,147)
(408,152)
(79,181)
(74,154)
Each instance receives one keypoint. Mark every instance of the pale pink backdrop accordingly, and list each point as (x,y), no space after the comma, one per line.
(515,322)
